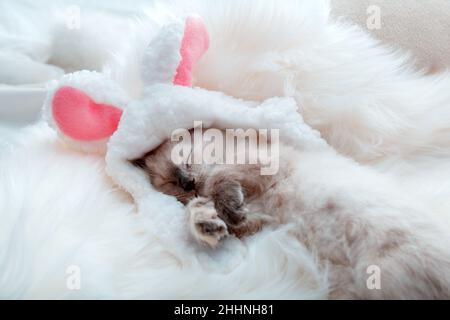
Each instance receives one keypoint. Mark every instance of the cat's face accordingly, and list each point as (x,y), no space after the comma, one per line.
(183,181)
(176,168)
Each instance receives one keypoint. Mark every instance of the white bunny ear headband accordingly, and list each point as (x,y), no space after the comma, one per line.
(86,107)
(92,113)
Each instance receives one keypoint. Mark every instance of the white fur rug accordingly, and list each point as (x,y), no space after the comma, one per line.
(63,220)
(45,232)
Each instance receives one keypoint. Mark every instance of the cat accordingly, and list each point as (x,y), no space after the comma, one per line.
(350,216)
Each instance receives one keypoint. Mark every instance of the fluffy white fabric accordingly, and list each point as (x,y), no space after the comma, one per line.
(58,207)
(62,210)
(40,41)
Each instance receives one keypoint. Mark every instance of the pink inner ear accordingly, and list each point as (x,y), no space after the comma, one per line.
(195,43)
(80,118)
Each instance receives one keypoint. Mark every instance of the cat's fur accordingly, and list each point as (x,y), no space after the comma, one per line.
(351,217)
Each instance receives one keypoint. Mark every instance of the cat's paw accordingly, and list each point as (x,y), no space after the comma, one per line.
(229,198)
(205,225)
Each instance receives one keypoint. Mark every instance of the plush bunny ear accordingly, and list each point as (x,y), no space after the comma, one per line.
(193,46)
(85,108)
(80,117)
(172,54)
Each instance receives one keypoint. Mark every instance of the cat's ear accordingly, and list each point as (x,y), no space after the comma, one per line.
(85,109)
(172,54)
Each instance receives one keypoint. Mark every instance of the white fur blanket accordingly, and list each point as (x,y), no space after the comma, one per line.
(67,231)
(62,212)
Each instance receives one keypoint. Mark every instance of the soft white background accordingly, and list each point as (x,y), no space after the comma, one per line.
(428,40)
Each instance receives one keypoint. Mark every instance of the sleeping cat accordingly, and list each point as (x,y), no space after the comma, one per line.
(352,218)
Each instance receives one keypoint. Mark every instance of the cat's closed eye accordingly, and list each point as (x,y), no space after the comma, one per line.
(184,181)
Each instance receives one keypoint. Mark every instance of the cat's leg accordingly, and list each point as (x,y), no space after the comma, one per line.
(232,191)
(204,222)
(228,197)
(230,202)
